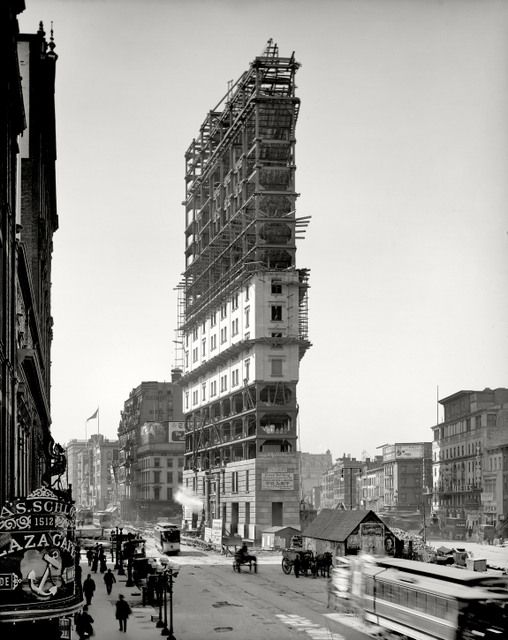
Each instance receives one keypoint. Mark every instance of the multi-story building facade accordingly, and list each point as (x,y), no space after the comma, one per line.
(31,463)
(407,473)
(244,311)
(340,488)
(151,446)
(90,465)
(75,475)
(371,485)
(103,458)
(312,467)
(469,463)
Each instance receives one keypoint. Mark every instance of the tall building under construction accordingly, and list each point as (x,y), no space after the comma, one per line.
(243,305)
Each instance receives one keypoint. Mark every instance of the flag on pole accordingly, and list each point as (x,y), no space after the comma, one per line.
(94,415)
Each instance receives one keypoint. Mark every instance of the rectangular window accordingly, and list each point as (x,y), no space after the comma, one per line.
(194,397)
(276,367)
(156,462)
(213,388)
(186,399)
(169,477)
(276,313)
(223,335)
(247,369)
(156,477)
(276,286)
(246,291)
(247,317)
(213,319)
(223,383)
(234,301)
(247,483)
(247,512)
(213,342)
(276,344)
(235,378)
(156,493)
(195,354)
(223,311)
(234,482)
(234,327)
(170,463)
(195,333)
(203,326)
(203,391)
(169,493)
(203,347)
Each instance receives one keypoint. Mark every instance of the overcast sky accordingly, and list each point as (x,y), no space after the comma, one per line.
(402,162)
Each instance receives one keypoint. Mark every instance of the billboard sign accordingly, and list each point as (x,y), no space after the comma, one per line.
(38,557)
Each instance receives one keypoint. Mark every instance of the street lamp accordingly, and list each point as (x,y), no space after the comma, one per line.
(168,577)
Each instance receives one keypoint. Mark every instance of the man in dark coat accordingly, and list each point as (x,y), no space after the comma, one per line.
(123,611)
(88,589)
(109,579)
(84,621)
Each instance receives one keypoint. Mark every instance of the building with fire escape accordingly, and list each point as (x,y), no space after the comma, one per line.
(469,459)
(243,313)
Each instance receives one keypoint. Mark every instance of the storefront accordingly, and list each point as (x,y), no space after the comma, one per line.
(40,582)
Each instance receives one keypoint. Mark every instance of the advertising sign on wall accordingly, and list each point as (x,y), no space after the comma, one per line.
(278,481)
(38,557)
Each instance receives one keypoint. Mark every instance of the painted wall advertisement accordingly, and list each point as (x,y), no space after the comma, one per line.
(277,480)
(162,432)
(38,558)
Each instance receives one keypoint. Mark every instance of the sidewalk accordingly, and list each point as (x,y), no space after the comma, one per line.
(102,610)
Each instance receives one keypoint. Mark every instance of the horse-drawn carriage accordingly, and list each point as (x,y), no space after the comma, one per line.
(304,562)
(242,557)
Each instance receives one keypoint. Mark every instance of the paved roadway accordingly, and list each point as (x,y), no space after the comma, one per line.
(211,600)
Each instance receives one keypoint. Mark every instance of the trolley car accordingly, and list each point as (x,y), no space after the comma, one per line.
(167,537)
(413,599)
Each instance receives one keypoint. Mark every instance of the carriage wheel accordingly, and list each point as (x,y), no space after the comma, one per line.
(286,566)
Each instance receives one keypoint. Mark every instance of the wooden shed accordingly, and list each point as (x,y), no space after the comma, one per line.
(278,537)
(347,532)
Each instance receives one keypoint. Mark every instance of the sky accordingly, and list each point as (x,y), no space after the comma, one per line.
(402,164)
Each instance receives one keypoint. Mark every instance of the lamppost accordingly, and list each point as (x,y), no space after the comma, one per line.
(169,575)
(119,553)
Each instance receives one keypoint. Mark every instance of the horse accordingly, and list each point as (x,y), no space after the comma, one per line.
(244,558)
(324,562)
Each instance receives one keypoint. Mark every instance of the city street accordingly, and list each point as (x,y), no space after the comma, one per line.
(211,599)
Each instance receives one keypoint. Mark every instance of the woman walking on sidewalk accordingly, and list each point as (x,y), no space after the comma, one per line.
(123,611)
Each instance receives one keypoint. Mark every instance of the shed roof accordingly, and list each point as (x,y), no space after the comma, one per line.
(332,524)
(279,529)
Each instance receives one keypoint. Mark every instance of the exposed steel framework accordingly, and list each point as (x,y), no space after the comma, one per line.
(240,193)
(241,222)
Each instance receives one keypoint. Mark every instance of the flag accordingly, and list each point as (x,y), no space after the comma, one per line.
(94,415)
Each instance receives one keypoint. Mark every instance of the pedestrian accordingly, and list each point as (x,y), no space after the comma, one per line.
(89,557)
(102,561)
(123,611)
(88,589)
(83,623)
(109,579)
(297,565)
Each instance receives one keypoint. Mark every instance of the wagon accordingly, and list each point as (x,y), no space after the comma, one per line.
(288,560)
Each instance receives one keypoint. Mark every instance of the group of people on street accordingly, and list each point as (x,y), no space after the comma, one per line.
(83,620)
(97,558)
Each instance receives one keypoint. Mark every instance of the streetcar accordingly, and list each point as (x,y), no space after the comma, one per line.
(429,602)
(167,537)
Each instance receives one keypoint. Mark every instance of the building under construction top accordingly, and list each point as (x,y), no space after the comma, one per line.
(243,314)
